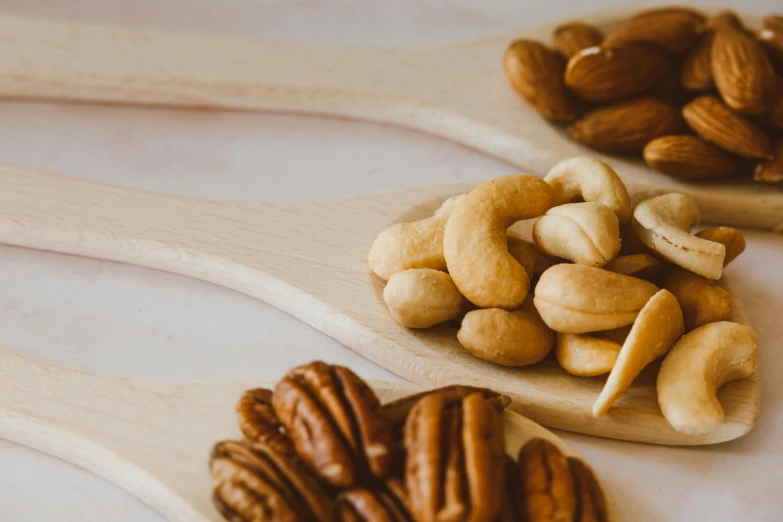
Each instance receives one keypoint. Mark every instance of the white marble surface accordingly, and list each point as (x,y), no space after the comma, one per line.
(136,322)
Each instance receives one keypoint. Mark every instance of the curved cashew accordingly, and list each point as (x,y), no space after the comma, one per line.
(657,328)
(585,233)
(422,297)
(702,300)
(474,242)
(590,180)
(583,299)
(700,363)
(643,266)
(729,237)
(524,252)
(663,223)
(515,338)
(586,355)
(412,245)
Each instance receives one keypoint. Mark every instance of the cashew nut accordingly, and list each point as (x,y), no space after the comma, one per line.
(474,242)
(663,223)
(585,233)
(422,297)
(700,363)
(702,300)
(582,299)
(643,266)
(412,245)
(586,355)
(588,179)
(515,338)
(524,252)
(729,237)
(657,328)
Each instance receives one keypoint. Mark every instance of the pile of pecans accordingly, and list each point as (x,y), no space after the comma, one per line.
(321,447)
(700,98)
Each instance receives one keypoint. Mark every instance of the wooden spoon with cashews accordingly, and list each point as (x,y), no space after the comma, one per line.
(153,439)
(310,260)
(456,91)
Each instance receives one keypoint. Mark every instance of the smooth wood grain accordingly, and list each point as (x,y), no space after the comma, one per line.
(152,439)
(309,259)
(457,91)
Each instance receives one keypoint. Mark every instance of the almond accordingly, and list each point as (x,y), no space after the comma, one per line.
(724,19)
(626,126)
(715,122)
(775,114)
(771,171)
(774,22)
(536,73)
(605,74)
(670,30)
(569,39)
(742,72)
(772,41)
(688,157)
(696,69)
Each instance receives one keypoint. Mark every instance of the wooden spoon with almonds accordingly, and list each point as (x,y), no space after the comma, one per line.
(457,91)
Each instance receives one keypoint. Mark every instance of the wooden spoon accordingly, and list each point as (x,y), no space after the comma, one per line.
(150,438)
(457,91)
(309,259)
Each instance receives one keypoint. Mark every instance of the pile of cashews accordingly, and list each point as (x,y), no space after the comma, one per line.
(617,287)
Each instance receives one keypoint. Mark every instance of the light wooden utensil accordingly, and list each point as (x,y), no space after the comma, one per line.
(309,259)
(150,438)
(457,91)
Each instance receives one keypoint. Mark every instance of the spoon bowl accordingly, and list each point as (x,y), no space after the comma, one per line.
(309,260)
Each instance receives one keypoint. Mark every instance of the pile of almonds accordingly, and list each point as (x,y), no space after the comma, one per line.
(700,98)
(322,448)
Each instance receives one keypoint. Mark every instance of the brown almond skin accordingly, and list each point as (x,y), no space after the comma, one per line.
(731,238)
(696,68)
(775,114)
(772,41)
(774,22)
(688,157)
(626,126)
(569,39)
(715,122)
(600,74)
(724,19)
(536,73)
(672,31)
(742,71)
(771,171)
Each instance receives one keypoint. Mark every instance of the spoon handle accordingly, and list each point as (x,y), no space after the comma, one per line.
(94,63)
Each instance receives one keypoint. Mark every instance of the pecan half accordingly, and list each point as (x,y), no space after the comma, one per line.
(455,459)
(546,487)
(253,483)
(335,422)
(591,502)
(387,503)
(258,421)
(397,410)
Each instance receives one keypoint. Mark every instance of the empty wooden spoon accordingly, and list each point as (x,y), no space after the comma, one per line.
(150,438)
(457,91)
(309,259)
